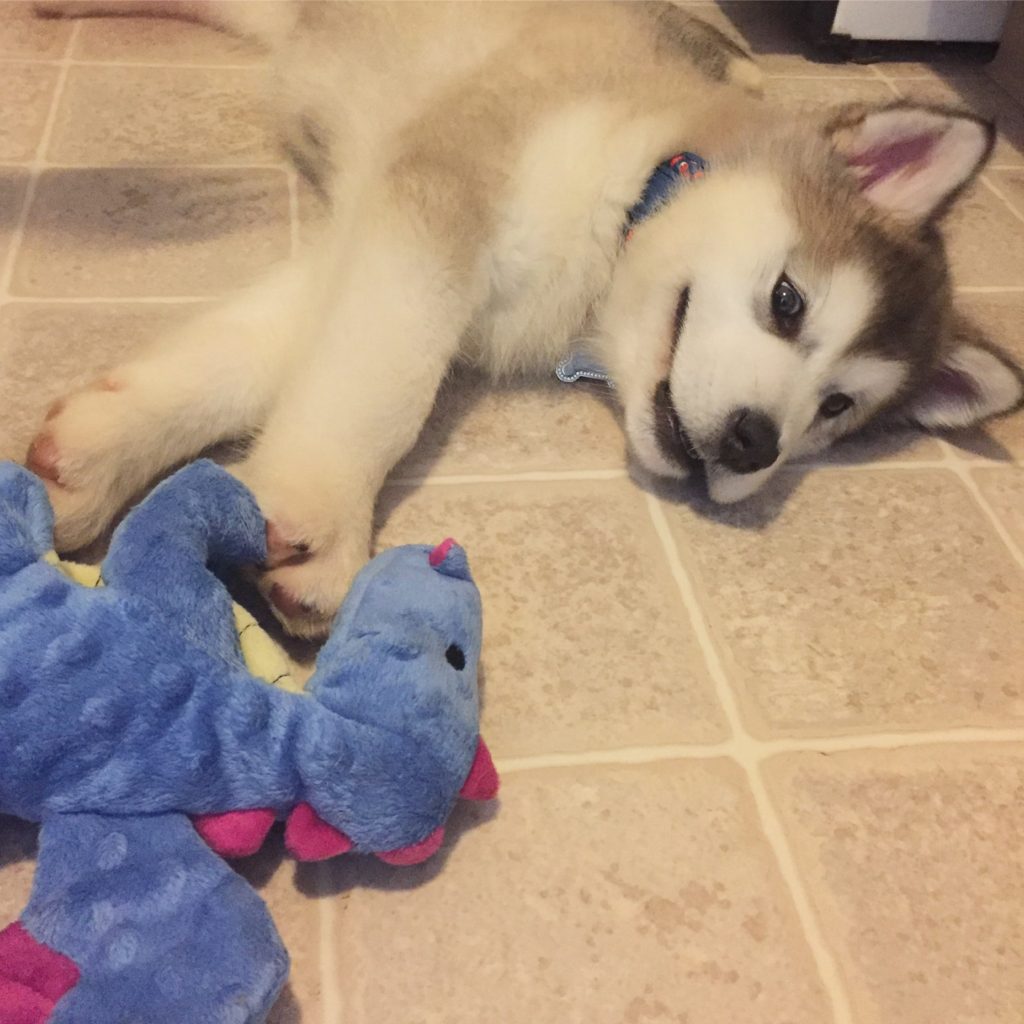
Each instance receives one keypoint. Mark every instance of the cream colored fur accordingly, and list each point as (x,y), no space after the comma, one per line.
(479,159)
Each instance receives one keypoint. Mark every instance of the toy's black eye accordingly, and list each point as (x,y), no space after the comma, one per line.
(835,405)
(456,657)
(787,302)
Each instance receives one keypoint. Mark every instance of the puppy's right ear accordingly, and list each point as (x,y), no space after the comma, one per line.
(909,159)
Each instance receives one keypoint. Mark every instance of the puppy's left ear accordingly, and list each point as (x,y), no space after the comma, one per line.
(973,381)
(911,160)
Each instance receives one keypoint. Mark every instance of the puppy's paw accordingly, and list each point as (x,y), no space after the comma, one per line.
(305,584)
(75,455)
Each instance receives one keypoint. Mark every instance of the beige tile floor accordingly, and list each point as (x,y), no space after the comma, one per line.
(764,765)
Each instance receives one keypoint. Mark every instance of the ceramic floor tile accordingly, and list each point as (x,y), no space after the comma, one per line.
(111,115)
(97,232)
(13,182)
(1010,183)
(848,601)
(1004,491)
(151,40)
(606,895)
(985,241)
(17,866)
(24,35)
(911,859)
(884,443)
(1001,317)
(985,98)
(48,350)
(292,894)
(28,91)
(478,428)
(586,641)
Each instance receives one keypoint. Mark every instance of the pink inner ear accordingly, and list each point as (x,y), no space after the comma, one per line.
(888,158)
(949,383)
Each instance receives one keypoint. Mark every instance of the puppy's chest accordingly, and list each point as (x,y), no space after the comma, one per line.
(549,262)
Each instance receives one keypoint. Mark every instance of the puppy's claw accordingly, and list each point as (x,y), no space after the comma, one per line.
(281,551)
(42,458)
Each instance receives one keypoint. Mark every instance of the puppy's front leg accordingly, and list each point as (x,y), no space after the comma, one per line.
(351,412)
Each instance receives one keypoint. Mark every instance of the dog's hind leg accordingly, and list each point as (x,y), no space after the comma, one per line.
(352,410)
(212,380)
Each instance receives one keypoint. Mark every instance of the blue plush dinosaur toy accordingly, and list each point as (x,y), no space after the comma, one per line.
(126,710)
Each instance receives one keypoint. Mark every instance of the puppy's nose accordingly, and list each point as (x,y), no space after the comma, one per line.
(751,442)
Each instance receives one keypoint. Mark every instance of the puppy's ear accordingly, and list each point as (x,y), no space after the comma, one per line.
(972,382)
(911,160)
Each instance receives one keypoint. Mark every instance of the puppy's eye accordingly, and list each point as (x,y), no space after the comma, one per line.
(456,657)
(835,405)
(787,302)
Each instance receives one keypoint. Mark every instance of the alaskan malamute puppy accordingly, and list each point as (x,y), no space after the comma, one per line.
(486,166)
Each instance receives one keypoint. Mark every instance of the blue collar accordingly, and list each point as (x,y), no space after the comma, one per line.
(668,177)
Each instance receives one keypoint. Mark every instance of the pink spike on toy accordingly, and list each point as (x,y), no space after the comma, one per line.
(407,856)
(235,833)
(437,556)
(308,837)
(482,782)
(33,977)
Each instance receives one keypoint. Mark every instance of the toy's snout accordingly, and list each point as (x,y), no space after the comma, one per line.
(308,837)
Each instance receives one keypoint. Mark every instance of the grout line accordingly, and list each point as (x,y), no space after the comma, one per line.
(961,468)
(330,991)
(700,627)
(1005,167)
(757,750)
(18,233)
(882,77)
(771,826)
(627,755)
(992,187)
(537,476)
(555,476)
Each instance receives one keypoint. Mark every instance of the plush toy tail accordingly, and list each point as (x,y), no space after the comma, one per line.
(26,519)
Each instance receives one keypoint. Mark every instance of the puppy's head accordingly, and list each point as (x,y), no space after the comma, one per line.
(797,293)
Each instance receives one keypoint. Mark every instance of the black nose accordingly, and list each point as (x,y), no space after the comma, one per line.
(751,442)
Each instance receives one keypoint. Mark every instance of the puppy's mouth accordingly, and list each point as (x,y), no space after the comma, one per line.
(673,441)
